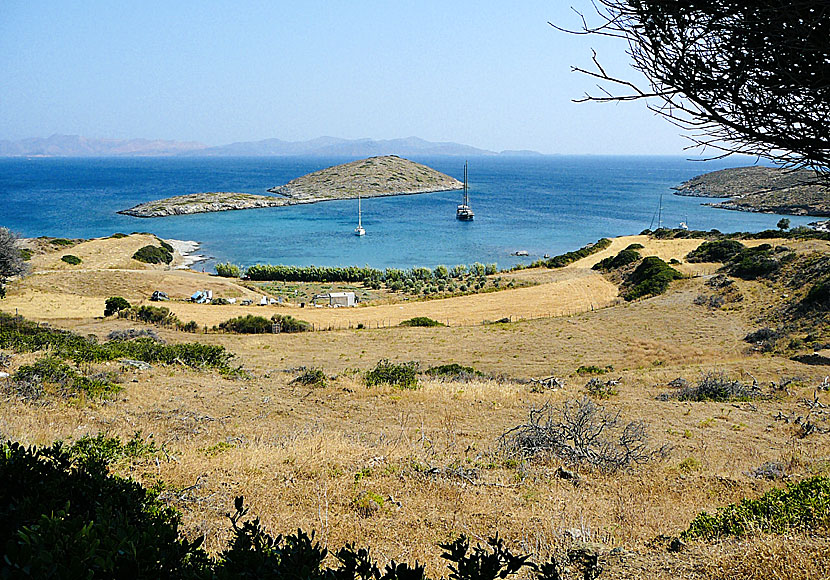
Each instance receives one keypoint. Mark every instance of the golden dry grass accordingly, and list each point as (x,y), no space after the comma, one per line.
(301,455)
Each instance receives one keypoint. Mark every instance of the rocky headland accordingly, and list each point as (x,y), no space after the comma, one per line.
(762,189)
(202,203)
(372,177)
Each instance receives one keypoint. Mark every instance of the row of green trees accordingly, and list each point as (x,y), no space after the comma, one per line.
(281,273)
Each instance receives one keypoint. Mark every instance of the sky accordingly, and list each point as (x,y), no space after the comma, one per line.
(489,74)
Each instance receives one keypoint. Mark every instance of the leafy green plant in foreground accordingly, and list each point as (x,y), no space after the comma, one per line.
(66,516)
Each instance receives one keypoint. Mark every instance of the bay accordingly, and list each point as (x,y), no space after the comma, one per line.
(543,205)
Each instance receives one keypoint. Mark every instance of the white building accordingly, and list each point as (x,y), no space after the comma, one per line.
(335,299)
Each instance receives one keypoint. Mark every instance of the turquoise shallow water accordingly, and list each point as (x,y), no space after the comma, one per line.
(539,204)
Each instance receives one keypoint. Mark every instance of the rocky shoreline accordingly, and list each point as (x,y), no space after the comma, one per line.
(372,177)
(762,190)
(202,203)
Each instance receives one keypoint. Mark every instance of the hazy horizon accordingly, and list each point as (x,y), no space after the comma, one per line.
(482,74)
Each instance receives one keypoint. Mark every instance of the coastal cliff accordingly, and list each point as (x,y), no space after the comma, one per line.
(372,177)
(762,189)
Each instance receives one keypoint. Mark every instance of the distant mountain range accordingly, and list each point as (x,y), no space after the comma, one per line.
(77,146)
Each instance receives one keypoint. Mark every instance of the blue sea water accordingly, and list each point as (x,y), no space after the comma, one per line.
(544,205)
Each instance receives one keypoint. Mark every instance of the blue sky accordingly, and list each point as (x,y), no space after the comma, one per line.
(490,74)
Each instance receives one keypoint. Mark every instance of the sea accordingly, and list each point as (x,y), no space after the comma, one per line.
(536,204)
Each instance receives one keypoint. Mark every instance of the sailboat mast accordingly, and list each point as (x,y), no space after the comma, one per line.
(466,201)
(359,214)
(660,213)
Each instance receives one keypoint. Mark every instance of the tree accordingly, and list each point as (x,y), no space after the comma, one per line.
(783,224)
(741,77)
(11,260)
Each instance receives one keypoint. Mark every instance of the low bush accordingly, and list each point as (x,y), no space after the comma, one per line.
(752,263)
(593,370)
(563,260)
(21,335)
(61,242)
(155,315)
(716,251)
(818,297)
(109,450)
(803,506)
(154,255)
(131,333)
(421,321)
(118,236)
(115,304)
(51,374)
(71,259)
(650,278)
(311,378)
(403,375)
(717,386)
(454,372)
(581,432)
(248,324)
(624,258)
(287,323)
(228,270)
(191,326)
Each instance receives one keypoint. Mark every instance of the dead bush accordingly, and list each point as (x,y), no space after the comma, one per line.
(581,432)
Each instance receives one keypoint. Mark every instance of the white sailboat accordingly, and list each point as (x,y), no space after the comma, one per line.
(359,231)
(464,212)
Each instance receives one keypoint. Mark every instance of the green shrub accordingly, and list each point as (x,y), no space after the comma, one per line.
(191,326)
(454,372)
(115,304)
(404,375)
(650,278)
(624,258)
(287,323)
(311,378)
(61,242)
(818,296)
(70,259)
(593,370)
(50,373)
(21,335)
(66,517)
(118,235)
(801,506)
(165,246)
(248,324)
(155,315)
(109,450)
(635,246)
(421,321)
(228,270)
(569,257)
(153,255)
(716,251)
(752,263)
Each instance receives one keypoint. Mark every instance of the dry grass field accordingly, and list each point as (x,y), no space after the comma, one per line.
(304,456)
